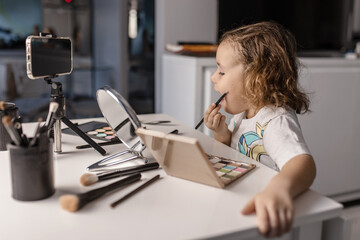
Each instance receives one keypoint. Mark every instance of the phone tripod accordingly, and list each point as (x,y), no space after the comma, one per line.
(59,116)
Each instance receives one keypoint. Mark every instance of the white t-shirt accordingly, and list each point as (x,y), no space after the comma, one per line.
(273,136)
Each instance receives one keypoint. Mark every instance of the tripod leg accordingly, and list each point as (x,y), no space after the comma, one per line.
(83,135)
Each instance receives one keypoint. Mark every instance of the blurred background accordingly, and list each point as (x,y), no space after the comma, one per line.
(121,43)
(122,59)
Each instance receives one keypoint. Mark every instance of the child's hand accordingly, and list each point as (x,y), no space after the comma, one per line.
(274,210)
(274,206)
(215,121)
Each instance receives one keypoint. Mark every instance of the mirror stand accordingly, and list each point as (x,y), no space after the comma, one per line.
(104,163)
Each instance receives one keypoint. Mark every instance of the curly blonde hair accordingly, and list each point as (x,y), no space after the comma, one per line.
(268,52)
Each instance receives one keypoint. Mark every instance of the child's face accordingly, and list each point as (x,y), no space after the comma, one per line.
(228,78)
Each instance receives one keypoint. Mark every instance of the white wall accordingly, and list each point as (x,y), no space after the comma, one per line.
(110,40)
(185,20)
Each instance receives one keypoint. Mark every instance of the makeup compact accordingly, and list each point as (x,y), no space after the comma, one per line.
(183,157)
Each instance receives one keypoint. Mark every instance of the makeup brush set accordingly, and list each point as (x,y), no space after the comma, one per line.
(128,175)
(74,202)
(13,125)
(31,158)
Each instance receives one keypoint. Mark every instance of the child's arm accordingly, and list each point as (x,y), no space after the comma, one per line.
(215,121)
(274,205)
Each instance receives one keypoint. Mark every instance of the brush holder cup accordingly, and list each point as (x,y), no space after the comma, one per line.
(32,170)
(4,136)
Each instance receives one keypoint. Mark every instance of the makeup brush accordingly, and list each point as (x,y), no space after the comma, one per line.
(91,178)
(216,104)
(112,142)
(52,109)
(74,202)
(6,105)
(36,133)
(157,122)
(17,123)
(114,204)
(13,133)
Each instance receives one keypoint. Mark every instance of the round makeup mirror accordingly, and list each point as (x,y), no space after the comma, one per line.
(124,121)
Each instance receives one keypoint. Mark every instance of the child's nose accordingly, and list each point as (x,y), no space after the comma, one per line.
(212,78)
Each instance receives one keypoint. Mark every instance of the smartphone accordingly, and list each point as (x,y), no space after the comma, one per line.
(48,57)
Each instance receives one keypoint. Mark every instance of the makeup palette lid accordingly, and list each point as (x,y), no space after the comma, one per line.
(180,156)
(120,116)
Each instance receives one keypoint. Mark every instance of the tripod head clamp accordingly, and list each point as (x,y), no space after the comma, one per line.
(56,89)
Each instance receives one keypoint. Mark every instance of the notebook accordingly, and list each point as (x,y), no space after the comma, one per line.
(183,157)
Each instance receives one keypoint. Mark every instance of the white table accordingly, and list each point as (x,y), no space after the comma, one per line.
(171,208)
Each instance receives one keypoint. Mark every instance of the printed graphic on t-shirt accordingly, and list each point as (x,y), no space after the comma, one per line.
(251,143)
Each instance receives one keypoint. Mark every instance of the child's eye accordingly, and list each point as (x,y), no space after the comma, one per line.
(221,73)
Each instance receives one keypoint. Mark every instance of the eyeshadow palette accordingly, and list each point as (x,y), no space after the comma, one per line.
(229,170)
(184,157)
(94,129)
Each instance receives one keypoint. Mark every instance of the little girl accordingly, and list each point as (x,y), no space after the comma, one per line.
(258,69)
